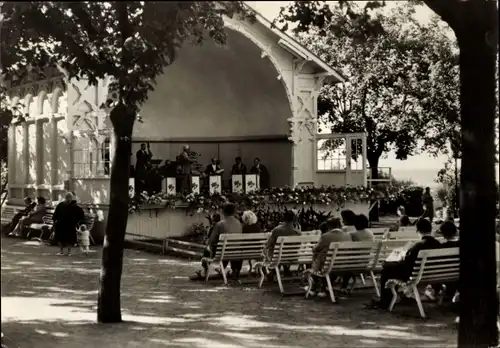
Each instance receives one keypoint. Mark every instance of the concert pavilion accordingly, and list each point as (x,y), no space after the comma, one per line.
(254,97)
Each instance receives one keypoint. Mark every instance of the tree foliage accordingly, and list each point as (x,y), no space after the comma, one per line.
(402,74)
(130,42)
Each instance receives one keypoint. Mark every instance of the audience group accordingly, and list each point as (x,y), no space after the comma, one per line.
(67,218)
(350,227)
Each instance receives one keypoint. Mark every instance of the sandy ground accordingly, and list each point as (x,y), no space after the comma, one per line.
(49,301)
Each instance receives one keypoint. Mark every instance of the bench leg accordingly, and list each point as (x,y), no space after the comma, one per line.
(375,284)
(330,289)
(262,276)
(310,285)
(394,297)
(223,271)
(278,277)
(362,279)
(419,301)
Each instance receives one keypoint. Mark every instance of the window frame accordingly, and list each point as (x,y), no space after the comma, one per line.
(98,142)
(348,138)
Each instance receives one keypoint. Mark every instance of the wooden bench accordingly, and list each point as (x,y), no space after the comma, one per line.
(289,251)
(8,213)
(48,226)
(436,266)
(386,248)
(344,258)
(45,226)
(311,233)
(246,246)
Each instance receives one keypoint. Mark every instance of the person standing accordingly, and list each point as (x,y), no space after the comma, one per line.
(66,217)
(185,160)
(238,167)
(261,170)
(142,166)
(428,202)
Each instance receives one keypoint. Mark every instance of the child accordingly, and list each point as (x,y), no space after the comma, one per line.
(83,237)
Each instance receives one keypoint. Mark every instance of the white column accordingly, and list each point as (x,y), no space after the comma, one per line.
(303,137)
(26,153)
(11,160)
(40,153)
(54,153)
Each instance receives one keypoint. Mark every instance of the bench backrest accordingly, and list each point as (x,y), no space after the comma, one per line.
(311,233)
(294,249)
(437,265)
(412,228)
(240,246)
(388,246)
(408,234)
(379,232)
(8,213)
(351,256)
(48,217)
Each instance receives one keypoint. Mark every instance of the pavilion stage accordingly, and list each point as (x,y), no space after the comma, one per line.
(256,96)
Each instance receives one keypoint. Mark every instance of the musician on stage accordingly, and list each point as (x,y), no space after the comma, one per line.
(261,170)
(185,160)
(213,168)
(142,166)
(238,167)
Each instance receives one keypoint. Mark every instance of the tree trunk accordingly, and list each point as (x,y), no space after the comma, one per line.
(478,299)
(373,215)
(108,303)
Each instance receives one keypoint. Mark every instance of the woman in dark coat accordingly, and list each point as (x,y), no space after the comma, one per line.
(66,217)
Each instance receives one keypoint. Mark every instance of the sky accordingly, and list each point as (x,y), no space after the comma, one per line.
(420,168)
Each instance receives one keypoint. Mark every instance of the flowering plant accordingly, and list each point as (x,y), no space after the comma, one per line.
(205,202)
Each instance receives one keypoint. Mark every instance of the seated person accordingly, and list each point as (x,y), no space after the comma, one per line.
(402,269)
(450,233)
(35,217)
(29,206)
(230,224)
(348,217)
(362,233)
(285,229)
(331,231)
(404,221)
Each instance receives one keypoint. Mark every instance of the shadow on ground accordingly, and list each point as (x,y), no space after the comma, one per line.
(50,301)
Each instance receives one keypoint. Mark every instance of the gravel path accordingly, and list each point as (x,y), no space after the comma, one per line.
(49,301)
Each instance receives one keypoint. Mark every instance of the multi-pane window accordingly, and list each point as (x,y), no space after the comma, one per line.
(357,154)
(91,154)
(332,154)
